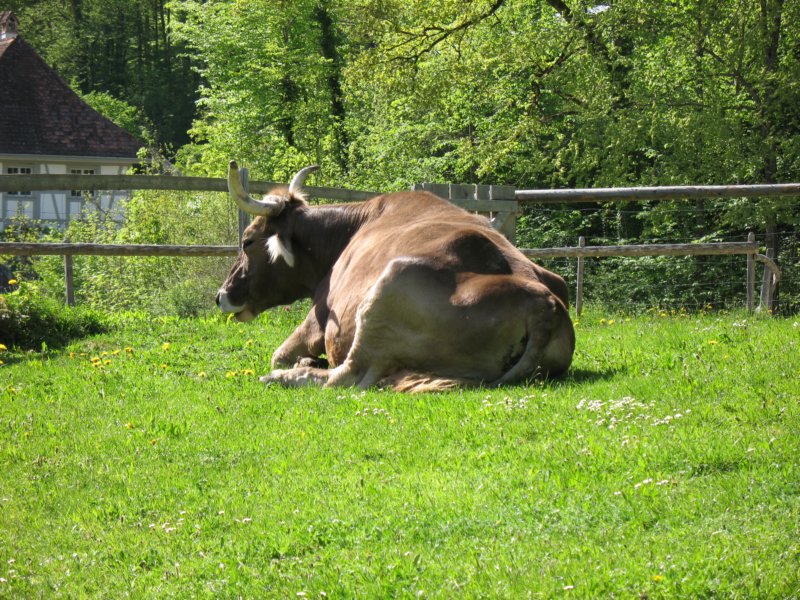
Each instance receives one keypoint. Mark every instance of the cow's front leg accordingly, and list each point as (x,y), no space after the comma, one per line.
(306,343)
(297,377)
(342,376)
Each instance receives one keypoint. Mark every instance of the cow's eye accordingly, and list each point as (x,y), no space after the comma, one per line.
(247,243)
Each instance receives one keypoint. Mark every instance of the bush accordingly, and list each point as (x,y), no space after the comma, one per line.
(159,285)
(32,321)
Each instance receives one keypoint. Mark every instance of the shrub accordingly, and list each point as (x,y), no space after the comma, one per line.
(30,320)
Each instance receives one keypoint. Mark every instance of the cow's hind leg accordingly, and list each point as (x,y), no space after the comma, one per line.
(550,345)
(346,375)
(392,320)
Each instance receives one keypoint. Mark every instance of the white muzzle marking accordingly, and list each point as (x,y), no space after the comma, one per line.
(226,306)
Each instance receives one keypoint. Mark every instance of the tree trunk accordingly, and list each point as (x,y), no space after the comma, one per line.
(770,23)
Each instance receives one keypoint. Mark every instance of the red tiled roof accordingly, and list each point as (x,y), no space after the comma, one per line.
(40,114)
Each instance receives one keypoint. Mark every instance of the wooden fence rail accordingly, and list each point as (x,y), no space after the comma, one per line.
(501,203)
(679,192)
(68,249)
(9,183)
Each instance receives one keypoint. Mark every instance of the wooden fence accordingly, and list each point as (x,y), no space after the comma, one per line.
(500,203)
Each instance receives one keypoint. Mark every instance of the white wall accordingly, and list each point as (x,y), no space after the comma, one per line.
(57,208)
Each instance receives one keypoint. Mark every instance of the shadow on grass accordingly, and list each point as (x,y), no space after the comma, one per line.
(581,376)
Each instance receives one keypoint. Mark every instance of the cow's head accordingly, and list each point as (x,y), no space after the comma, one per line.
(266,272)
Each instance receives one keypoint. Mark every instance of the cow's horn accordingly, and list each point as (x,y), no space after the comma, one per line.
(300,177)
(270,206)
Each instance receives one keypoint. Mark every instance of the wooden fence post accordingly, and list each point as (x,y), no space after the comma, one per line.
(751,274)
(244,218)
(767,287)
(579,277)
(497,202)
(504,222)
(69,283)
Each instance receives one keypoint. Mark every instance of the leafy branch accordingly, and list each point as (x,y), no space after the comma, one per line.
(424,40)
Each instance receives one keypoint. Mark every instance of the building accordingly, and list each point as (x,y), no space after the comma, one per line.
(46,128)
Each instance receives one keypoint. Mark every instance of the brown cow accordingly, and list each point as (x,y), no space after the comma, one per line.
(408,290)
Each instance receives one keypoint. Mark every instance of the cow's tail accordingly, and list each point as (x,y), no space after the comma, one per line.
(418,383)
(546,354)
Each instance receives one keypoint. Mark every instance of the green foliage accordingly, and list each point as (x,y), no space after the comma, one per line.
(532,94)
(184,286)
(270,92)
(30,320)
(151,462)
(160,285)
(122,114)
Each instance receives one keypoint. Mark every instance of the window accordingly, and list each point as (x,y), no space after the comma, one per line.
(19,171)
(81,193)
(19,203)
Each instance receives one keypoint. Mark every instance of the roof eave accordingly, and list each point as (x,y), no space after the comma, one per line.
(57,158)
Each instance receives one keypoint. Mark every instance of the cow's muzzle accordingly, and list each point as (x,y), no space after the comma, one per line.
(241,312)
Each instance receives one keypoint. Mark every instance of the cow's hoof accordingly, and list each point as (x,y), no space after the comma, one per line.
(308,361)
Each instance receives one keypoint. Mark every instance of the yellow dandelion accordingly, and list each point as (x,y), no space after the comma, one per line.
(230,374)
(12,282)
(129,350)
(713,342)
(72,355)
(116,352)
(2,363)
(249,343)
(658,578)
(165,346)
(106,362)
(128,425)
(611,322)
(3,347)
(602,321)
(248,372)
(96,359)
(104,354)
(164,366)
(202,375)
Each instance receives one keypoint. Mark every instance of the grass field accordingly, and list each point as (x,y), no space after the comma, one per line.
(149,462)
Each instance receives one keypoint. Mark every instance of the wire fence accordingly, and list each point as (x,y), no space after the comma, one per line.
(638,284)
(674,283)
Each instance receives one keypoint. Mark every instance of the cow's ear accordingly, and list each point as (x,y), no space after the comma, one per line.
(280,248)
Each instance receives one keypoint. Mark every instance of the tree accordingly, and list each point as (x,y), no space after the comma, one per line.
(272,84)
(118,47)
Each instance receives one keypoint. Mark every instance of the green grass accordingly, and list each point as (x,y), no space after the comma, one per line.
(664,465)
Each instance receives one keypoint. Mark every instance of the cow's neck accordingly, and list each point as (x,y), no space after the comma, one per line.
(325,231)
